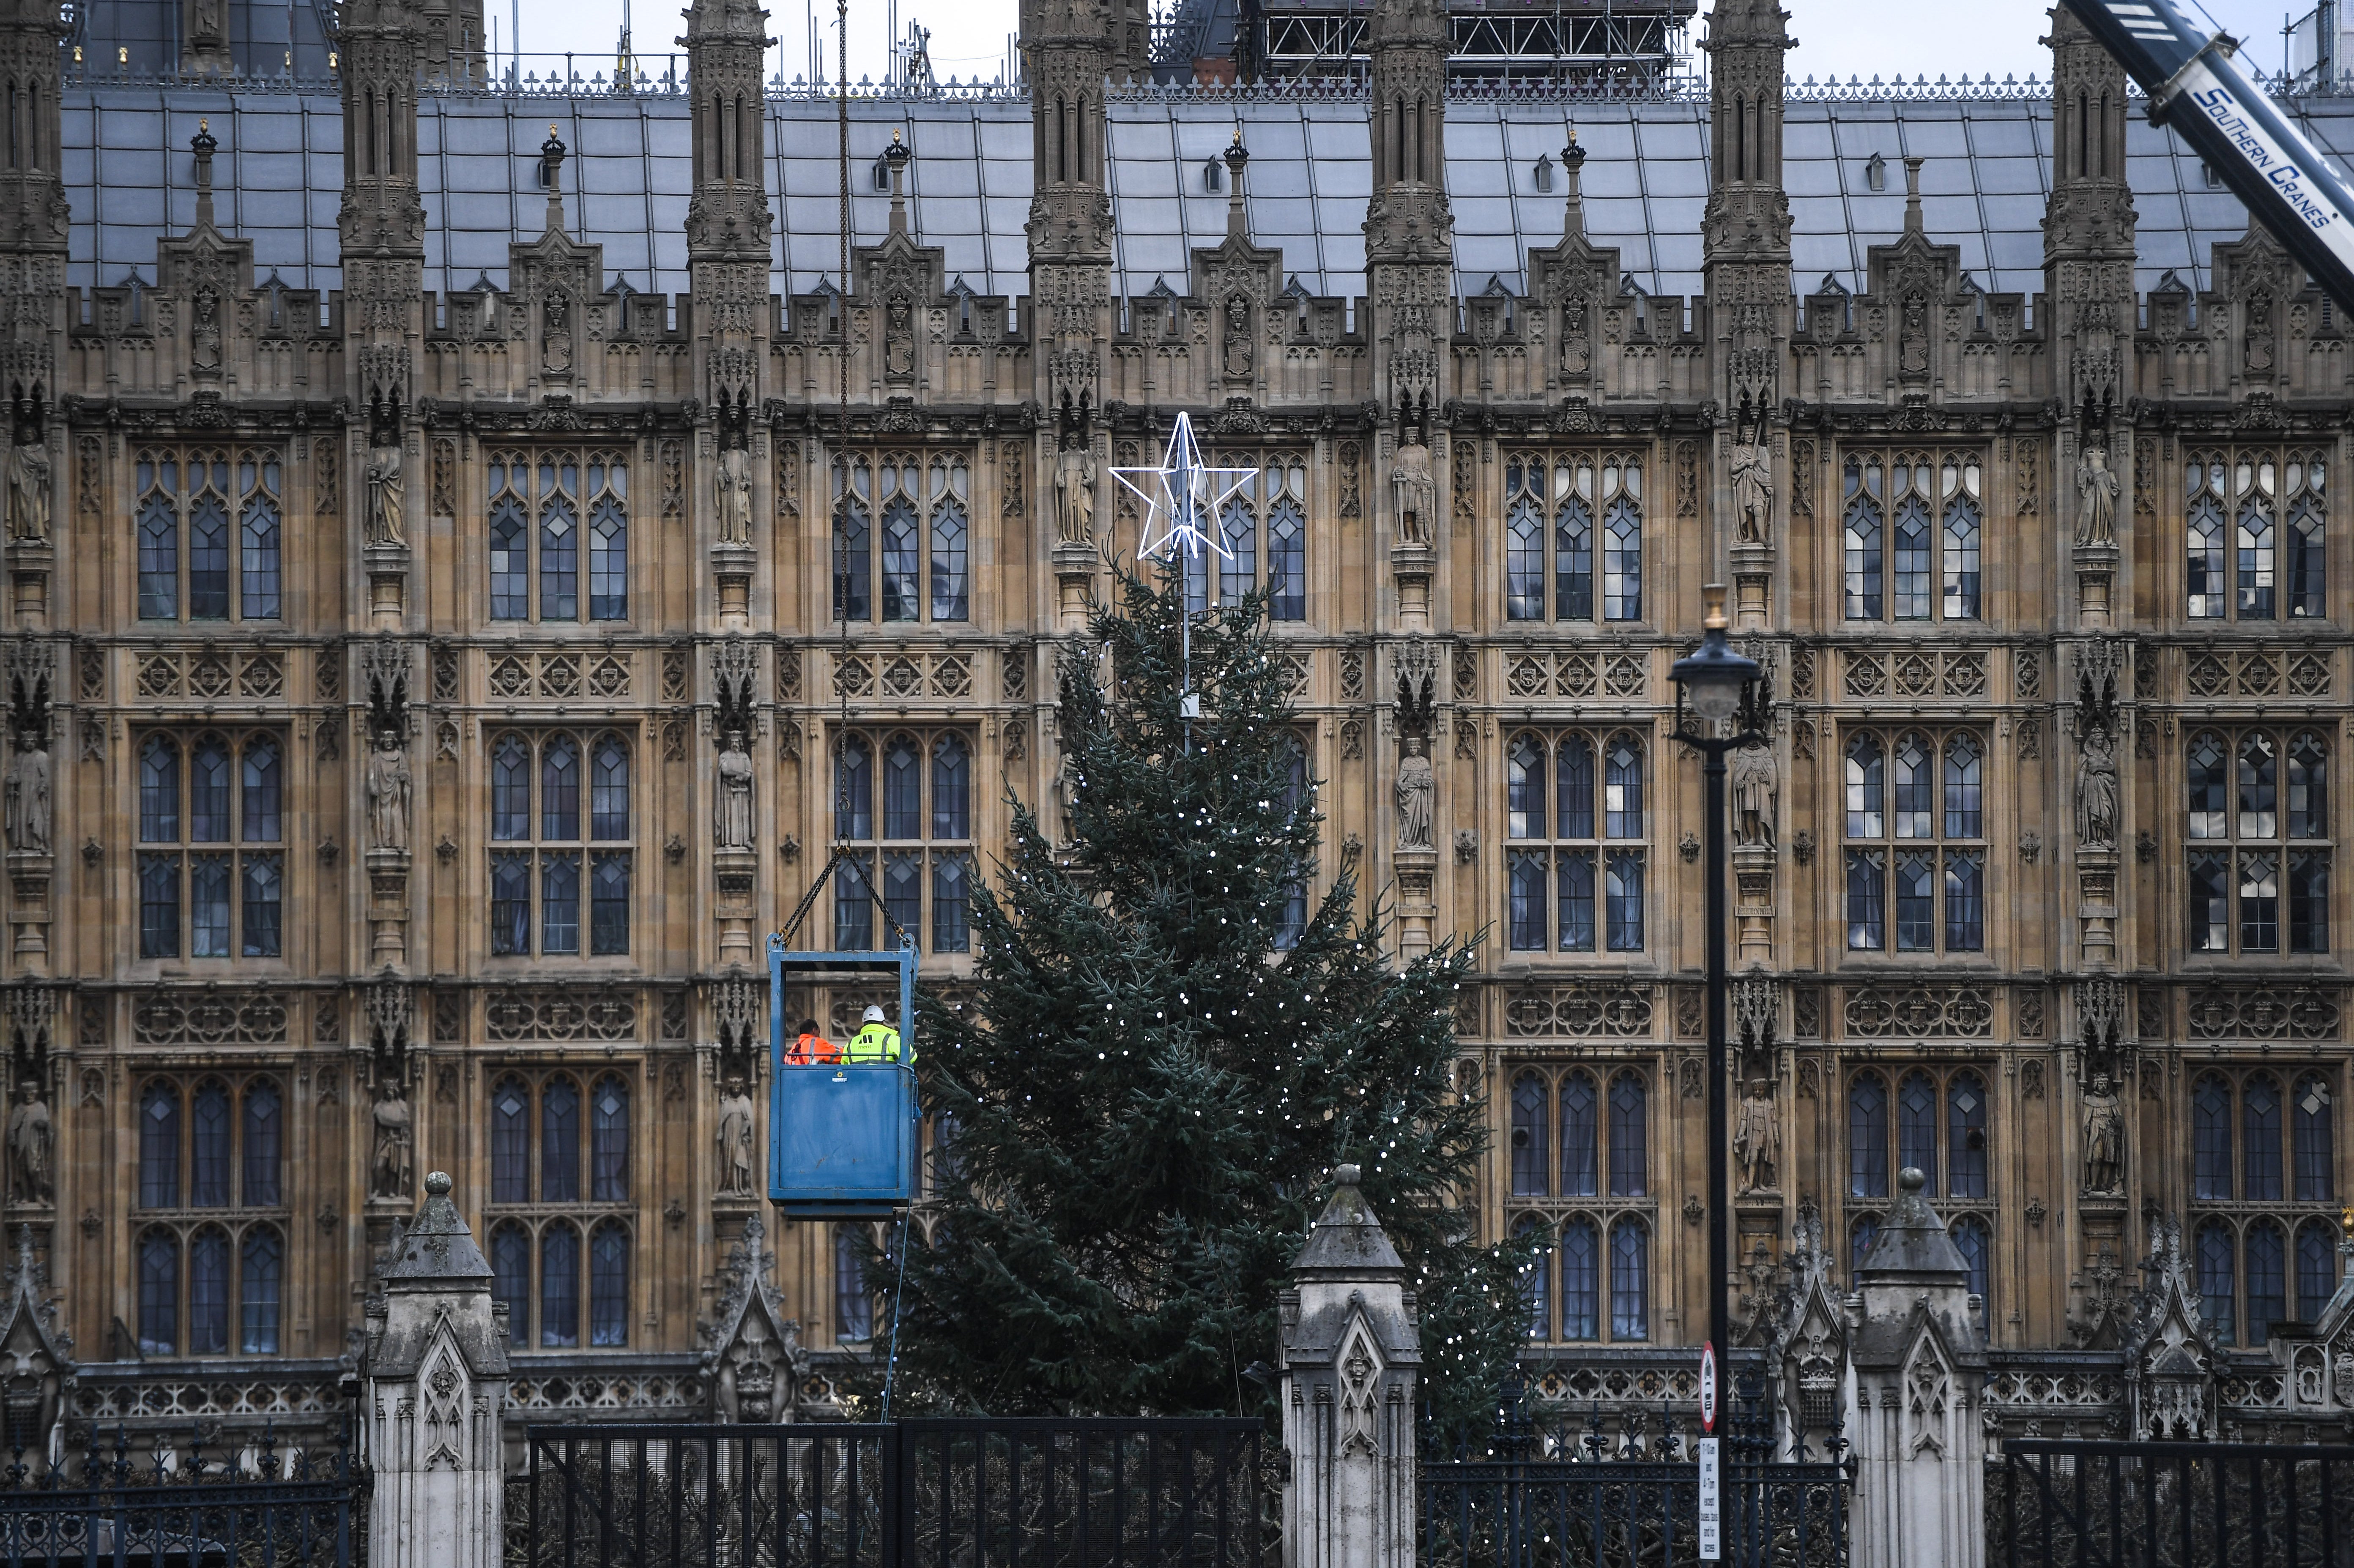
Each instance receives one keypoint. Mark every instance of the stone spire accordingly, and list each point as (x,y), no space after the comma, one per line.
(1748,213)
(382,223)
(1069,47)
(1409,230)
(1408,219)
(33,221)
(728,217)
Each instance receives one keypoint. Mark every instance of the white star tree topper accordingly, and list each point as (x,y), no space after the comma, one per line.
(1181,494)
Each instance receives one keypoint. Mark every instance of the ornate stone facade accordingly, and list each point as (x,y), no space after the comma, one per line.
(374,660)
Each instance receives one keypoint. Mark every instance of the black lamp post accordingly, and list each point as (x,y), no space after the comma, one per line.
(1714,686)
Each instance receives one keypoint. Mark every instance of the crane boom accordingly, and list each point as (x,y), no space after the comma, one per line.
(2195,86)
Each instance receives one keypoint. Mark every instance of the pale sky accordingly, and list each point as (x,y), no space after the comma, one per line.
(1847,37)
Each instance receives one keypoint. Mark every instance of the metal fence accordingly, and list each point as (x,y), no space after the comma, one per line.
(250,1508)
(982,1493)
(1527,1498)
(2183,1505)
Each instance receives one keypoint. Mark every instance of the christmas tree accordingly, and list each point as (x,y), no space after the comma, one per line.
(1164,1055)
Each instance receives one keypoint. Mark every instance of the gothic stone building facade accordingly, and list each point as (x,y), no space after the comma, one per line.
(452,571)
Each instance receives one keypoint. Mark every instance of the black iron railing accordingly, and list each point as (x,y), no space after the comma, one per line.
(252,1507)
(980,1493)
(2183,1505)
(1524,1495)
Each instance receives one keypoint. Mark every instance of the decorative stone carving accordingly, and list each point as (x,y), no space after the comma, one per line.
(2171,1350)
(2097,493)
(391,1173)
(731,821)
(1758,1139)
(386,491)
(1755,796)
(1414,490)
(28,794)
(1416,785)
(1752,493)
(752,1358)
(738,1141)
(390,789)
(28,490)
(2104,1137)
(1075,493)
(2097,791)
(731,483)
(32,1145)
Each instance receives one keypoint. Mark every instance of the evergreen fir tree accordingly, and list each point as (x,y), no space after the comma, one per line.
(1165,1056)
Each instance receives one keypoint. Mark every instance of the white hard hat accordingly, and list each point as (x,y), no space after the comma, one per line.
(874,1015)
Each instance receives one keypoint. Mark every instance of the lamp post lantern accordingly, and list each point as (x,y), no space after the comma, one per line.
(1719,689)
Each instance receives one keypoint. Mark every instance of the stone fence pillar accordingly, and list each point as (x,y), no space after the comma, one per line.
(1920,1365)
(436,1366)
(1352,1350)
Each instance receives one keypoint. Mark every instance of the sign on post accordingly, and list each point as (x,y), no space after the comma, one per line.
(1711,1532)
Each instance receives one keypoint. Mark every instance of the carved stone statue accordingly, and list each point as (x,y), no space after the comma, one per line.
(27,795)
(32,1146)
(2097,791)
(1416,782)
(1238,344)
(732,493)
(1752,493)
(2096,491)
(1075,495)
(389,789)
(390,1168)
(386,496)
(899,338)
(28,492)
(735,1140)
(556,340)
(1758,1139)
(1754,796)
(2104,1135)
(1415,492)
(206,24)
(731,821)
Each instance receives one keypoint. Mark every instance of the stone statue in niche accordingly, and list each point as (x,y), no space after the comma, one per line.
(732,495)
(899,337)
(32,1146)
(1415,784)
(1758,1139)
(555,337)
(2096,494)
(1576,343)
(205,22)
(388,491)
(1752,493)
(1075,495)
(28,794)
(2097,791)
(736,1140)
(1755,796)
(204,328)
(2104,1133)
(390,1165)
(1238,344)
(1415,492)
(2259,344)
(29,490)
(731,821)
(390,791)
(1914,351)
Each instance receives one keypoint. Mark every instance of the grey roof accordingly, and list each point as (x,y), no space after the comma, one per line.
(279,174)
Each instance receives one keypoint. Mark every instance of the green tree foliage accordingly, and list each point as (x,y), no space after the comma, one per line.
(1164,1055)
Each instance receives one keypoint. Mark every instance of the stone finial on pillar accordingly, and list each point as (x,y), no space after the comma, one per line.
(436,1366)
(1351,1350)
(1920,1361)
